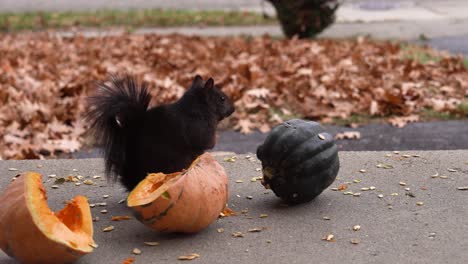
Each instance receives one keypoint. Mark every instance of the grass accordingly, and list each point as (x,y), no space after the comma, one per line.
(10,22)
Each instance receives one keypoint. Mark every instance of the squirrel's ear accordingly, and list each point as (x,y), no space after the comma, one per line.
(197,81)
(209,84)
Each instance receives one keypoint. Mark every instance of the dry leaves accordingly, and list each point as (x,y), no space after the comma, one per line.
(44,79)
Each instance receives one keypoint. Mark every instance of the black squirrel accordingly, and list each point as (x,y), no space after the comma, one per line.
(166,138)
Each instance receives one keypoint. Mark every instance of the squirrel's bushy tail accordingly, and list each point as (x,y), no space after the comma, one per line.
(117,104)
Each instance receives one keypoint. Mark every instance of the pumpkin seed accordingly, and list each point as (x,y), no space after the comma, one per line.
(79,177)
(151,244)
(388,155)
(77,183)
(356,228)
(258,169)
(402,183)
(40,165)
(365,189)
(406,156)
(356,194)
(263,216)
(372,188)
(329,237)
(96,219)
(96,176)
(108,229)
(357,181)
(384,166)
(12,169)
(380,195)
(93,245)
(230,159)
(237,234)
(334,189)
(416,155)
(239,181)
(362,171)
(121,201)
(452,170)
(322,137)
(407,189)
(102,204)
(51,175)
(326,218)
(92,205)
(189,257)
(136,251)
(105,196)
(435,175)
(74,170)
(255,230)
(394,194)
(220,230)
(463,188)
(103,211)
(348,193)
(54,186)
(88,182)
(396,152)
(355,241)
(250,197)
(419,203)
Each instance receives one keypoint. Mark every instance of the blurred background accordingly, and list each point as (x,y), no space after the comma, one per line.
(379,75)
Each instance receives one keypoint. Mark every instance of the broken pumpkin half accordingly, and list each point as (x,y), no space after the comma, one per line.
(186,201)
(31,233)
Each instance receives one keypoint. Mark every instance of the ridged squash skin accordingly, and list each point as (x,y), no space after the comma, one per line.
(299,160)
(185,202)
(31,233)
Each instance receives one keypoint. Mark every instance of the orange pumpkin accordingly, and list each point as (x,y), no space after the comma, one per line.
(186,201)
(31,233)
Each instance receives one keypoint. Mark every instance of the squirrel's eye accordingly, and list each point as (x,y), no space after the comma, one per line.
(223,98)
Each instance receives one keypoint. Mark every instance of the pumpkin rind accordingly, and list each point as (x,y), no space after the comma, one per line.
(299,160)
(31,233)
(192,199)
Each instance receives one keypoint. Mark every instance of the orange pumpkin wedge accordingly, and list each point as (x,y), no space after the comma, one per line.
(31,233)
(186,201)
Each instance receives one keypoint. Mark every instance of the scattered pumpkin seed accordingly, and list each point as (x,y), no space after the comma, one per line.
(380,195)
(230,159)
(452,170)
(356,228)
(120,217)
(54,186)
(136,251)
(432,234)
(396,152)
(245,211)
(348,193)
(96,219)
(322,137)
(105,196)
(402,183)
(51,175)
(93,245)
(355,241)
(388,155)
(258,169)
(435,175)
(77,183)
(263,216)
(394,194)
(416,155)
(384,166)
(326,218)
(239,181)
(357,181)
(372,188)
(12,169)
(96,176)
(329,237)
(255,230)
(191,256)
(92,205)
(74,170)
(40,165)
(79,177)
(334,189)
(250,197)
(151,244)
(237,234)
(356,194)
(102,204)
(121,201)
(443,177)
(365,188)
(88,182)
(406,156)
(419,203)
(362,171)
(103,211)
(248,157)
(407,189)
(463,188)
(108,229)
(220,230)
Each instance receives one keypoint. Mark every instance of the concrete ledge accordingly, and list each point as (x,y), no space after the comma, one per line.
(394,229)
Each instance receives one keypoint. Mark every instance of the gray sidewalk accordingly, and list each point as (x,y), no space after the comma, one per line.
(394,229)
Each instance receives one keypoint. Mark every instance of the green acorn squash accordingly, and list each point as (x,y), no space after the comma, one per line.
(299,160)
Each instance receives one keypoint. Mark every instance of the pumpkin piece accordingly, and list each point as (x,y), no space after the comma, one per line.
(186,201)
(31,233)
(299,160)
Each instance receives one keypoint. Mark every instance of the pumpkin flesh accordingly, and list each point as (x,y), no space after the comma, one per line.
(186,201)
(31,233)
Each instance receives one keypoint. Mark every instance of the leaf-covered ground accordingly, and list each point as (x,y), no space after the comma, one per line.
(44,80)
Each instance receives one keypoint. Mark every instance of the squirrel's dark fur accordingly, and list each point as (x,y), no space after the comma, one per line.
(167,138)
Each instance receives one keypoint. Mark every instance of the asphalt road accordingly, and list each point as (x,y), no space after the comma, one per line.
(394,229)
